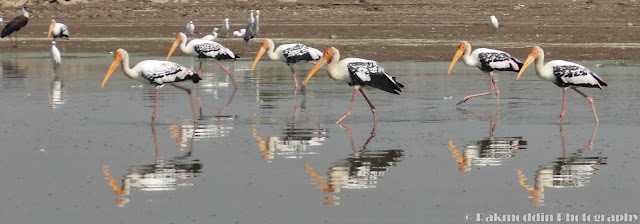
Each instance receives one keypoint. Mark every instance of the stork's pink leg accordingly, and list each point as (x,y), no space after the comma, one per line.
(564,100)
(193,111)
(480,94)
(590,102)
(155,107)
(295,77)
(350,107)
(373,109)
(228,73)
(495,86)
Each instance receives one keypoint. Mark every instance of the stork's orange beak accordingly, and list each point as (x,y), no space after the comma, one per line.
(263,48)
(175,45)
(456,57)
(323,60)
(117,59)
(527,62)
(51,24)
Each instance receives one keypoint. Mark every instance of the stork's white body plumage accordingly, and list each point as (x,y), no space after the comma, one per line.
(565,75)
(288,53)
(487,60)
(155,72)
(356,72)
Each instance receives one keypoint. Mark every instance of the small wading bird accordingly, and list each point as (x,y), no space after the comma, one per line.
(56,59)
(494,22)
(190,29)
(225,28)
(565,75)
(289,53)
(204,49)
(16,24)
(487,60)
(213,36)
(239,33)
(58,30)
(250,31)
(356,72)
(155,72)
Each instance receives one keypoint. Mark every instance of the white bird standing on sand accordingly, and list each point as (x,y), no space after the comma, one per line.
(565,75)
(213,36)
(204,49)
(190,29)
(225,28)
(487,60)
(239,33)
(54,53)
(356,72)
(155,72)
(256,25)
(494,22)
(289,53)
(58,30)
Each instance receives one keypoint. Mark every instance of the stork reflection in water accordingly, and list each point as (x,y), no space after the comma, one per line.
(565,172)
(489,151)
(162,175)
(361,170)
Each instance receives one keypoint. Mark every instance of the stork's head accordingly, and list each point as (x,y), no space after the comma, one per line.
(326,56)
(118,56)
(264,47)
(52,23)
(533,55)
(462,48)
(181,37)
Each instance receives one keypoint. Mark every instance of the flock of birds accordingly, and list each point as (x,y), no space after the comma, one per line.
(357,72)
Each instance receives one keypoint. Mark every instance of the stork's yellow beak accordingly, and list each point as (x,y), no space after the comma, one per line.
(526,64)
(263,48)
(455,59)
(52,23)
(175,45)
(117,59)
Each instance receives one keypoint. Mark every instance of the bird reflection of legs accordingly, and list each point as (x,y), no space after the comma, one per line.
(493,125)
(492,85)
(155,104)
(221,110)
(353,146)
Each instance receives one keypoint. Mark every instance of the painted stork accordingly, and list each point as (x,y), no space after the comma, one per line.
(56,59)
(58,30)
(494,22)
(356,72)
(190,29)
(565,75)
(204,49)
(289,53)
(487,60)
(225,27)
(155,72)
(248,35)
(16,24)
(213,36)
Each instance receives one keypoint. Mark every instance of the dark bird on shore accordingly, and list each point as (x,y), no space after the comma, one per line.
(16,24)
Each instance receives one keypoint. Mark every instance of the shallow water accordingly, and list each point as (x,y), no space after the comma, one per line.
(75,153)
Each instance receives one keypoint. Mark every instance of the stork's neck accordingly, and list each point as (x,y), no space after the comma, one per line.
(125,65)
(540,61)
(183,43)
(332,66)
(466,57)
(25,13)
(270,52)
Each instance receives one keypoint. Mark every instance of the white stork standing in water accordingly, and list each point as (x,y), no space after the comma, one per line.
(155,72)
(204,49)
(356,72)
(487,60)
(58,30)
(190,29)
(225,28)
(289,53)
(565,75)
(16,24)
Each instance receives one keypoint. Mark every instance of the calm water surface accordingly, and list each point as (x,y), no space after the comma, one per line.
(75,153)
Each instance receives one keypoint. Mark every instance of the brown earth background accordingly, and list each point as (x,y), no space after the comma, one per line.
(374,29)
